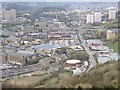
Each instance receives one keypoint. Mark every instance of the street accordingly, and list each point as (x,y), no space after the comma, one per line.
(91,60)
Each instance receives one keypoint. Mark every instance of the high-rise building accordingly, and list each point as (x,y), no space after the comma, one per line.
(3,14)
(13,13)
(0,14)
(90,18)
(8,14)
(112,14)
(97,16)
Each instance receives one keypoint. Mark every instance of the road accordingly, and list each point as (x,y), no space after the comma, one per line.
(91,60)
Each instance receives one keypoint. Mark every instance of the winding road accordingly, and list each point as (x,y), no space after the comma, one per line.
(91,60)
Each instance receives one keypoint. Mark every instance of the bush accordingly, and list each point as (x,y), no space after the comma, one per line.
(81,55)
(28,39)
(32,62)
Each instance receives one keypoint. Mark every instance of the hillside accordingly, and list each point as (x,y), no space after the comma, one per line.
(101,75)
(105,75)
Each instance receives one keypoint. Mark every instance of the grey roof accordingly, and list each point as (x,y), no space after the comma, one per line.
(103,59)
(23,53)
(45,47)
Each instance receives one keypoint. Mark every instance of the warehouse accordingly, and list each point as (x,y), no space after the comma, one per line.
(22,57)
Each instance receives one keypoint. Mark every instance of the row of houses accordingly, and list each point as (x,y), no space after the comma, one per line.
(109,34)
(55,29)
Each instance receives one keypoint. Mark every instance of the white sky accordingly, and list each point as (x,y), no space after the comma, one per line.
(59,0)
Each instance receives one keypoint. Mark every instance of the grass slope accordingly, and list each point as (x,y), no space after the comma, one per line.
(104,75)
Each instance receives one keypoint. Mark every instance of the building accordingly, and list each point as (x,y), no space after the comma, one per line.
(90,18)
(3,56)
(104,53)
(95,44)
(22,19)
(104,17)
(8,14)
(40,24)
(12,13)
(54,37)
(112,14)
(22,57)
(0,15)
(103,59)
(72,64)
(97,16)
(3,14)
(111,34)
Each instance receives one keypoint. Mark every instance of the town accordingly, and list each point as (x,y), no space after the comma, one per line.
(47,41)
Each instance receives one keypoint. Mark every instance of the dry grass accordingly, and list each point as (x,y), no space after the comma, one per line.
(99,76)
(24,82)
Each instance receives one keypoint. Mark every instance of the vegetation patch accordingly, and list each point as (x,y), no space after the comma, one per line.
(103,75)
(23,82)
(112,45)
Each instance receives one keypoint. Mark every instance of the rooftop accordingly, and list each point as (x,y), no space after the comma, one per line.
(94,41)
(45,46)
(73,61)
(22,53)
(103,59)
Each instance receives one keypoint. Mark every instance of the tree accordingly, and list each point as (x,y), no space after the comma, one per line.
(79,55)
(40,30)
(97,34)
(103,35)
(79,88)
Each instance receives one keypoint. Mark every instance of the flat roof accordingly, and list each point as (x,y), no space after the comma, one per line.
(73,61)
(94,41)
(45,46)
(22,53)
(114,56)
(103,59)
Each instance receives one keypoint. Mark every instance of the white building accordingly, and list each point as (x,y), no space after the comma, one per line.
(12,13)
(0,15)
(112,14)
(8,14)
(97,16)
(90,18)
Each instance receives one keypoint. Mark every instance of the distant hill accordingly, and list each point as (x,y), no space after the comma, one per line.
(30,5)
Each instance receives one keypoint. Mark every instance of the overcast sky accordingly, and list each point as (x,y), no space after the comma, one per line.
(59,0)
